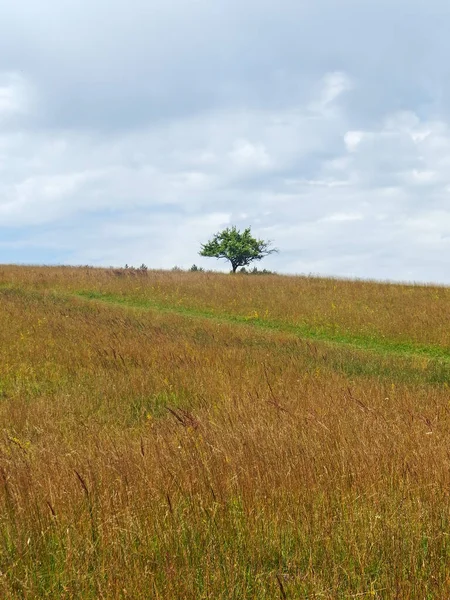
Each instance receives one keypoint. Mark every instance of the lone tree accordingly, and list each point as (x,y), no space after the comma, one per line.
(240,248)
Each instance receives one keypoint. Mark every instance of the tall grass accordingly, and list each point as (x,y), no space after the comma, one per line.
(146,454)
(414,313)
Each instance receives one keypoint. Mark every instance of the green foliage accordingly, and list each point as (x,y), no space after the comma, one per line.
(255,271)
(240,248)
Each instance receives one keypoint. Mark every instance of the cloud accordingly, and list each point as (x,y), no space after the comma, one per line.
(341,217)
(132,131)
(352,140)
(16,98)
(252,156)
(333,86)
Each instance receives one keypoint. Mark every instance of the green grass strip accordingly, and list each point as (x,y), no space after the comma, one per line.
(363,356)
(303,331)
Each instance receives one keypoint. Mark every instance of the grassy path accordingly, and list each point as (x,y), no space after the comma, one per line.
(379,345)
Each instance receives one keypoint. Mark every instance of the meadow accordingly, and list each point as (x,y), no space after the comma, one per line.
(174,435)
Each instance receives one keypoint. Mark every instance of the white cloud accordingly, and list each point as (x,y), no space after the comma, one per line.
(434,222)
(156,193)
(129,132)
(16,96)
(424,177)
(342,217)
(250,156)
(334,84)
(195,164)
(352,140)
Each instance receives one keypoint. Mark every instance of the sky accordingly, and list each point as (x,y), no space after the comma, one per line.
(131,132)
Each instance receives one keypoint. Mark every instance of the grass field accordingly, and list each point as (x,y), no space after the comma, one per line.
(170,435)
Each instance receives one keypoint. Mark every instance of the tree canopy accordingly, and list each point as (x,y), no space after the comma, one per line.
(240,248)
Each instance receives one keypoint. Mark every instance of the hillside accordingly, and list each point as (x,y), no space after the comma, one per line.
(193,435)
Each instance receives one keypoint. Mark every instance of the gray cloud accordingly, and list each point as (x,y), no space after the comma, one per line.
(117,64)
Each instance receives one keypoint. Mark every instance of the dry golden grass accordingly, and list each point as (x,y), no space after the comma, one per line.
(418,314)
(148,454)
